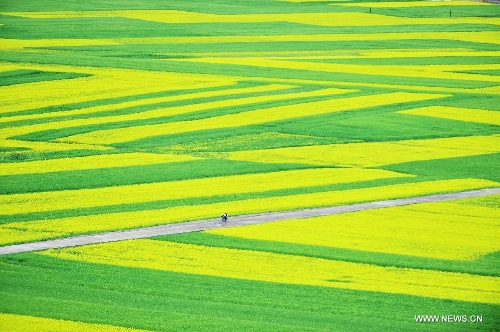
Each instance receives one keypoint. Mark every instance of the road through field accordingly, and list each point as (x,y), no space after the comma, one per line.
(201,225)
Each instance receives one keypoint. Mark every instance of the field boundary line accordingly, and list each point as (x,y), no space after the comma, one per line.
(206,224)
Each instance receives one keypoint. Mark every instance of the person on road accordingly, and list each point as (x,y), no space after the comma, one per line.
(224,216)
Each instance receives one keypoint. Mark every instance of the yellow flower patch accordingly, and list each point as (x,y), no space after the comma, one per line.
(445,230)
(372,19)
(90,162)
(297,110)
(21,323)
(375,154)
(43,229)
(19,44)
(188,95)
(214,186)
(363,54)
(457,113)
(167,16)
(288,269)
(103,83)
(156,113)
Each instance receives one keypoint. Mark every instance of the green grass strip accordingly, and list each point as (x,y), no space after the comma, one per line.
(107,177)
(29,76)
(156,300)
(10,155)
(482,167)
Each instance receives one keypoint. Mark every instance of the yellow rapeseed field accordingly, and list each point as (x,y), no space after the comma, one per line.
(376,153)
(119,135)
(457,113)
(20,323)
(188,95)
(353,54)
(50,228)
(157,113)
(222,185)
(90,162)
(12,44)
(103,83)
(271,267)
(446,230)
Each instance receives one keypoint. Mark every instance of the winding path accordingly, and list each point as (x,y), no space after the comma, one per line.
(206,224)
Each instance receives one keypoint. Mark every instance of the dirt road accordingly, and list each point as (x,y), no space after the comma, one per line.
(201,225)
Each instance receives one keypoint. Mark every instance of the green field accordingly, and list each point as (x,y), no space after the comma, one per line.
(139,113)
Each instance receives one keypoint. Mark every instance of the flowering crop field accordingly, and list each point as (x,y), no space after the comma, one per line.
(388,266)
(123,114)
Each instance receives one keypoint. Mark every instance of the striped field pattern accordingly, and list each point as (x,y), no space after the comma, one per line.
(128,114)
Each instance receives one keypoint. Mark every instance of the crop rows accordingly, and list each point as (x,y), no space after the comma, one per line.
(280,275)
(389,231)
